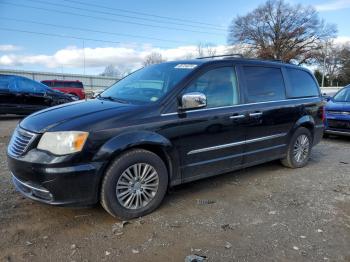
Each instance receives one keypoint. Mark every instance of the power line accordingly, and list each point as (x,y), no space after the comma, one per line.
(142,13)
(65,36)
(129,16)
(107,19)
(90,30)
(57,35)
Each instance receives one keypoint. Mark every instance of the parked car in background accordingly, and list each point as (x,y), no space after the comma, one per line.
(75,88)
(164,125)
(23,96)
(96,92)
(338,113)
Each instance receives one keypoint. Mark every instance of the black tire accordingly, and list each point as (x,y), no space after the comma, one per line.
(109,199)
(325,135)
(291,160)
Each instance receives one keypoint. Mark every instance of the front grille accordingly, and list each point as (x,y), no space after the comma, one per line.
(20,141)
(339,124)
(338,113)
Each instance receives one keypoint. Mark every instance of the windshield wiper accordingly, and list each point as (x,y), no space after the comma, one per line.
(111,98)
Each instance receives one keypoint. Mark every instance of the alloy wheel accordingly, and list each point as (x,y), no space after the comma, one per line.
(301,148)
(137,186)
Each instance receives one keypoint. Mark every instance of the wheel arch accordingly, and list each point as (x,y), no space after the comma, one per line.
(305,121)
(150,141)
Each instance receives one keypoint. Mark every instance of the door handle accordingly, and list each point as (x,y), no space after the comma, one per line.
(237,116)
(256,114)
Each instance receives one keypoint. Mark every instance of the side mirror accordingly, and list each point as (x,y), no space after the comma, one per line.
(326,97)
(193,100)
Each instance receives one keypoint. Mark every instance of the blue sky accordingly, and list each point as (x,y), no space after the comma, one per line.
(20,50)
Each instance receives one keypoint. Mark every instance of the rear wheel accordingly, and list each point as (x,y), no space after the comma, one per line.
(135,184)
(299,149)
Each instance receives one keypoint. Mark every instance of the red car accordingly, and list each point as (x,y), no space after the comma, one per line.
(67,86)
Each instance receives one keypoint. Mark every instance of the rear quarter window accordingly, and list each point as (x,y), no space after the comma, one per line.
(263,84)
(68,84)
(302,84)
(75,84)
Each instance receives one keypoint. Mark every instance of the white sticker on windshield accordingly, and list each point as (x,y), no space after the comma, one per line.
(185,66)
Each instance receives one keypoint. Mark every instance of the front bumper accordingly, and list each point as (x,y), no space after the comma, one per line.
(62,185)
(337,132)
(337,125)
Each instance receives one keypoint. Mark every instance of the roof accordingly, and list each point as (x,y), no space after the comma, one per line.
(12,77)
(238,60)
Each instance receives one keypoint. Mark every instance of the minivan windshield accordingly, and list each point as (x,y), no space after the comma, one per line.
(148,84)
(343,95)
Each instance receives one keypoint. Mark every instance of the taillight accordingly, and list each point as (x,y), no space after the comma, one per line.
(323,114)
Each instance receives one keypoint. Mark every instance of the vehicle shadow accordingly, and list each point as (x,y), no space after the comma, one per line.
(11,117)
(345,139)
(237,177)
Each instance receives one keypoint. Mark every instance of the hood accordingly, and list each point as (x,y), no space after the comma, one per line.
(337,106)
(75,115)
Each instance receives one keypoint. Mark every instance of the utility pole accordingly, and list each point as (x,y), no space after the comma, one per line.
(84,55)
(324,65)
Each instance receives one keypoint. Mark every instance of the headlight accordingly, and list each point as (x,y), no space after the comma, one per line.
(63,143)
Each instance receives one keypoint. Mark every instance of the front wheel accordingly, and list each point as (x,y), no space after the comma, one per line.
(134,184)
(299,149)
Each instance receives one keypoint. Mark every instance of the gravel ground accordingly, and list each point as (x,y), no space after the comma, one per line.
(263,213)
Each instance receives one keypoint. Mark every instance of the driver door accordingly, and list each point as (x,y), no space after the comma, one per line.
(210,140)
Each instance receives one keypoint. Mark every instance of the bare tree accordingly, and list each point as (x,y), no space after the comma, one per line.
(210,50)
(278,30)
(205,49)
(111,70)
(200,49)
(344,72)
(153,58)
(329,60)
(189,55)
(240,49)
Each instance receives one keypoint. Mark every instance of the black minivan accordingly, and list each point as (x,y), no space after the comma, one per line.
(164,125)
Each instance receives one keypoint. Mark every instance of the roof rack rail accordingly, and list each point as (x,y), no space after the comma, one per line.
(276,60)
(217,56)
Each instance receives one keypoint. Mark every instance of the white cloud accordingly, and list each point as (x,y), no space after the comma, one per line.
(9,48)
(333,5)
(342,40)
(123,57)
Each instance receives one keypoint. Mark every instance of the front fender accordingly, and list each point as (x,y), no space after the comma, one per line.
(124,141)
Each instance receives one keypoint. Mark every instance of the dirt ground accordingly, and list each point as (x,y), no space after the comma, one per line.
(264,213)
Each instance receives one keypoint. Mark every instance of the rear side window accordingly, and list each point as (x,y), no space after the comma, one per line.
(68,84)
(76,84)
(263,84)
(302,84)
(30,86)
